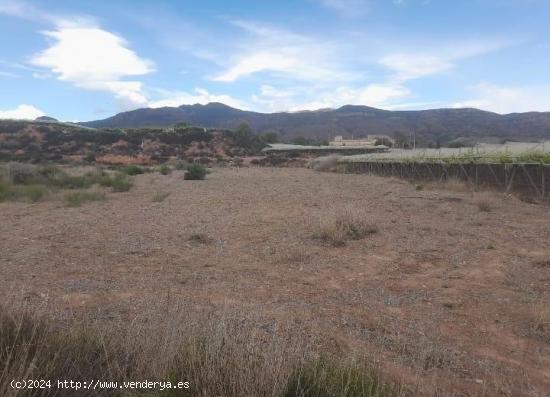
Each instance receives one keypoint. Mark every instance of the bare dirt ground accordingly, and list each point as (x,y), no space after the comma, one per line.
(444,295)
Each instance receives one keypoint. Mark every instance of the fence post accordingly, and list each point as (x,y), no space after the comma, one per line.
(543,176)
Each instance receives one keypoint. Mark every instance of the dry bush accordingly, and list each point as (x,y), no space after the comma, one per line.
(342,224)
(327,163)
(201,238)
(485,201)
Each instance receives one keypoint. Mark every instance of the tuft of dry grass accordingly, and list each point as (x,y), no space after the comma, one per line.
(160,196)
(343,224)
(484,206)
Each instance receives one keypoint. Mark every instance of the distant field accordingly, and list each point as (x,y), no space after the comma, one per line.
(444,290)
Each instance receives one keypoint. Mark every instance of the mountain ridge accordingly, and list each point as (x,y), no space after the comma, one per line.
(430,126)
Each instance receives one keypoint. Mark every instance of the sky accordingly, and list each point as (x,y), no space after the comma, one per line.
(79,60)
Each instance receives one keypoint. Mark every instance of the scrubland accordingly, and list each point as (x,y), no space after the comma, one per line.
(276,282)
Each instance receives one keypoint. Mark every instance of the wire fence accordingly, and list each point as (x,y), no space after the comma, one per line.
(531,180)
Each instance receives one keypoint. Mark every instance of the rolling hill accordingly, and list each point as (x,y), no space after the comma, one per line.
(429,126)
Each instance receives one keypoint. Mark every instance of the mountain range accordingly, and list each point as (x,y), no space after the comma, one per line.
(429,127)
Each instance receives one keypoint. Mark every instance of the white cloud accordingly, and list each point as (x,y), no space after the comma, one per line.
(41,76)
(421,63)
(501,99)
(14,8)
(22,112)
(94,59)
(284,54)
(376,95)
(413,66)
(202,96)
(8,74)
(347,8)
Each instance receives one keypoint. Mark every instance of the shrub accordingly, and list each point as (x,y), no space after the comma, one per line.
(195,172)
(121,183)
(75,199)
(22,174)
(341,225)
(133,170)
(165,169)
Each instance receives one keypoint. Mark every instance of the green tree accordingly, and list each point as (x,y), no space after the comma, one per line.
(269,137)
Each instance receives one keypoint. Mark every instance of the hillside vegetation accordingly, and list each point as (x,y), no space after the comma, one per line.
(49,141)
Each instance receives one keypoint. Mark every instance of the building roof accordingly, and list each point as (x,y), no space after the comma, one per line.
(284,147)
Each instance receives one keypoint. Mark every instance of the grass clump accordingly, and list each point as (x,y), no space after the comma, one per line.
(165,169)
(195,172)
(327,378)
(32,193)
(133,170)
(341,225)
(160,196)
(76,199)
